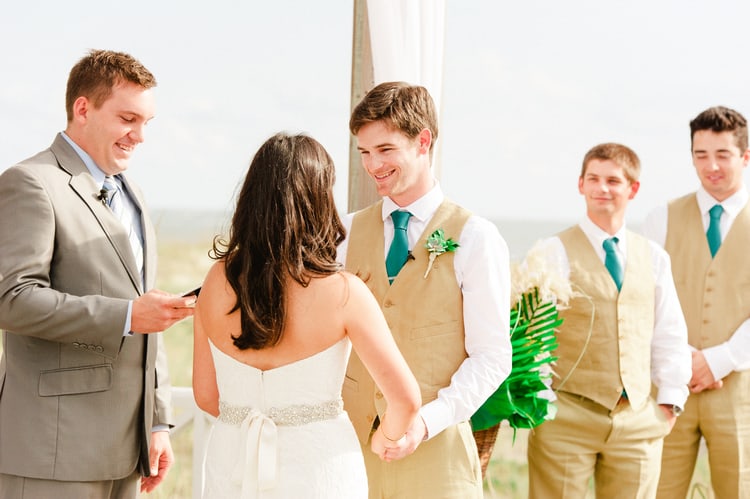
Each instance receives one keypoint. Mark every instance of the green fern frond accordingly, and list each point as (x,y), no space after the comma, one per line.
(533,339)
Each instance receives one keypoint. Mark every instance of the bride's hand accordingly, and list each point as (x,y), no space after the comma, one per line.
(390,450)
(385,447)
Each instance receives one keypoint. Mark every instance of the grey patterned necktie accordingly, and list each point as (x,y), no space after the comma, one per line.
(125,216)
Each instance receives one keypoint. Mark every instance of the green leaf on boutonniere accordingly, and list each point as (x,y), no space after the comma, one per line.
(436,245)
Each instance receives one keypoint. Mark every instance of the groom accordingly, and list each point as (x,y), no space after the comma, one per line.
(450,320)
(84,396)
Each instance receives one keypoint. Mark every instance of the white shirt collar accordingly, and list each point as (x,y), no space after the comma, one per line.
(597,235)
(732,205)
(95,171)
(422,209)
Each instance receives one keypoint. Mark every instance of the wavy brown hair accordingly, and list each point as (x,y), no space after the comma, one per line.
(96,74)
(285,226)
(721,119)
(407,108)
(623,156)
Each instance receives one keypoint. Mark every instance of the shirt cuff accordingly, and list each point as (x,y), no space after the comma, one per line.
(127,331)
(436,416)
(672,395)
(719,360)
(160,427)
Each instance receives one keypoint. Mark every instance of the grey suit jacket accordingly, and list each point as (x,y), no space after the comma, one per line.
(77,400)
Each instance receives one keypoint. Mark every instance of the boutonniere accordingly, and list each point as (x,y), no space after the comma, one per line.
(436,245)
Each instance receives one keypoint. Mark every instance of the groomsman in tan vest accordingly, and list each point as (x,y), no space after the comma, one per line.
(621,334)
(707,235)
(449,315)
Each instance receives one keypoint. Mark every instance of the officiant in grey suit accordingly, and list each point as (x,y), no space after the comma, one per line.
(84,403)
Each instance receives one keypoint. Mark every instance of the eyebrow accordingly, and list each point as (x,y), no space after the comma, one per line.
(695,151)
(378,146)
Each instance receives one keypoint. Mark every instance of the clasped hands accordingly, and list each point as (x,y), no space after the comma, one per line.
(703,378)
(389,450)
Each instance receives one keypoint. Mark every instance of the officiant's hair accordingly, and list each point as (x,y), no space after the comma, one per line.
(621,155)
(285,225)
(97,73)
(721,119)
(407,108)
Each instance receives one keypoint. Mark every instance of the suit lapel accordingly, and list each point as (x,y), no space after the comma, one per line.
(86,188)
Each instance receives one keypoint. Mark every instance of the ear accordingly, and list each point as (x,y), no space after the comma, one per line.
(425,141)
(580,185)
(81,109)
(634,189)
(746,158)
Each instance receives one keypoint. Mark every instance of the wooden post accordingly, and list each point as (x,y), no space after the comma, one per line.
(361,187)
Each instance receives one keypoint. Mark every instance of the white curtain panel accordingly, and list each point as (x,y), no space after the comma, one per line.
(407,39)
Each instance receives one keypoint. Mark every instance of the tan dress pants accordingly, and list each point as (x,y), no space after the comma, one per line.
(722,417)
(444,467)
(620,449)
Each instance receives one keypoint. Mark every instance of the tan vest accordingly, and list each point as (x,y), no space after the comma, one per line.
(425,315)
(714,293)
(618,353)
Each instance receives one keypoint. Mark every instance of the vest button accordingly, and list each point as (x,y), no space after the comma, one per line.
(388,303)
(378,395)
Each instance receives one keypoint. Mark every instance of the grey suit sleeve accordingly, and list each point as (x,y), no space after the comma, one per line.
(163,393)
(48,286)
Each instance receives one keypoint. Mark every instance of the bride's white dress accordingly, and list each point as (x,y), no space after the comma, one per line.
(282,433)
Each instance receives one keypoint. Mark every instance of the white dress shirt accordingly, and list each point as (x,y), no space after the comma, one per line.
(481,264)
(734,354)
(671,366)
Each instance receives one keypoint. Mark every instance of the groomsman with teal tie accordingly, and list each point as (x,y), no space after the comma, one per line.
(707,235)
(622,333)
(442,278)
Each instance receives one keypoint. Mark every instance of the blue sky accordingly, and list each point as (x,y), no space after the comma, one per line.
(529,87)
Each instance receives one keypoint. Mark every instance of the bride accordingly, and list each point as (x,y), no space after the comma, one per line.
(274,326)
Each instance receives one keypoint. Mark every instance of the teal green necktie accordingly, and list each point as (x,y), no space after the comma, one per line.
(713,234)
(612,260)
(399,250)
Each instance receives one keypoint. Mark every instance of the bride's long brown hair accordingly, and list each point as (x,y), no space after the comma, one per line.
(285,225)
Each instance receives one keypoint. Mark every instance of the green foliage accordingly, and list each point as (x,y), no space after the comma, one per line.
(532,337)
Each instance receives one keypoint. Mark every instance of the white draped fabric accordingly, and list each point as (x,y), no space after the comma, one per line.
(407,39)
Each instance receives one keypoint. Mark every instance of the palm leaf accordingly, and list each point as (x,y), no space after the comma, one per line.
(533,339)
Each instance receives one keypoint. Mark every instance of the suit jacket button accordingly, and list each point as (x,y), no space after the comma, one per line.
(76,344)
(99,349)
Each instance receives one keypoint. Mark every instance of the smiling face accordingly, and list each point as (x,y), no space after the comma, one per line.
(607,192)
(399,165)
(110,133)
(719,162)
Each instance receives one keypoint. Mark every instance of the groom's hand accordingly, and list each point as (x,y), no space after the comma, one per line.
(156,310)
(160,458)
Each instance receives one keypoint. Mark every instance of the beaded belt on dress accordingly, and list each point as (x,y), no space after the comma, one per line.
(293,415)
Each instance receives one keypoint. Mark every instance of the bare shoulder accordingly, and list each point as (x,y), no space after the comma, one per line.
(215,289)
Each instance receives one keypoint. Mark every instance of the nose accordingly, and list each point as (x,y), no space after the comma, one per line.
(136,134)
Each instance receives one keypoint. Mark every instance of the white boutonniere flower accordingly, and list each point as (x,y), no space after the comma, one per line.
(436,245)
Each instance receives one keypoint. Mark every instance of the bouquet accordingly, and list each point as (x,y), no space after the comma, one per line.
(525,399)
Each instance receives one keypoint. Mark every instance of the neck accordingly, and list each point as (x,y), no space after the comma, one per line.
(609,224)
